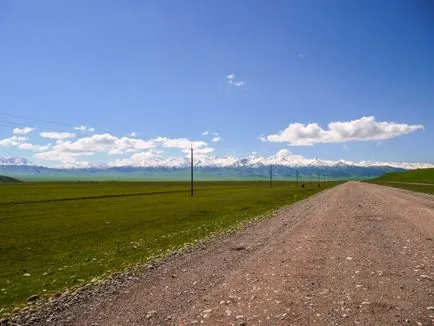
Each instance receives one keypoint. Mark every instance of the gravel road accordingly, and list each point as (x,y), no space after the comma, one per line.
(356,254)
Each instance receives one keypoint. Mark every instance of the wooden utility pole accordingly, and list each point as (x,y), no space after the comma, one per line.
(191,172)
(271,175)
(296,173)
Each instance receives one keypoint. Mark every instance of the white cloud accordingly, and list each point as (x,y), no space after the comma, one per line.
(22,131)
(19,142)
(216,139)
(12,141)
(363,129)
(184,144)
(56,135)
(238,83)
(101,143)
(132,134)
(68,150)
(54,155)
(84,129)
(205,133)
(34,147)
(230,79)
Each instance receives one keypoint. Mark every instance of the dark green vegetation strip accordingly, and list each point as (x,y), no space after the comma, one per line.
(421,180)
(5,179)
(52,239)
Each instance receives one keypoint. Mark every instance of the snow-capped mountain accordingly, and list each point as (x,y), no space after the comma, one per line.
(283,158)
(14,161)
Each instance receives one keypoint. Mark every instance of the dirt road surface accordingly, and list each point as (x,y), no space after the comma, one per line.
(356,254)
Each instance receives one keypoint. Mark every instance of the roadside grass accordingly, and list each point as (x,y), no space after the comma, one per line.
(421,180)
(428,189)
(54,236)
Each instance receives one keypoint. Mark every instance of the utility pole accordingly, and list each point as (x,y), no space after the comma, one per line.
(271,175)
(296,173)
(191,181)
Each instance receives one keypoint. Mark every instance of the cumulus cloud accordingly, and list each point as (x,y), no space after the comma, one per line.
(68,151)
(216,139)
(22,131)
(20,143)
(363,129)
(54,155)
(12,141)
(183,144)
(232,81)
(56,135)
(83,128)
(100,143)
(34,147)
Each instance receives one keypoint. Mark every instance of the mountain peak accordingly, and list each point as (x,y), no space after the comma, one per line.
(13,160)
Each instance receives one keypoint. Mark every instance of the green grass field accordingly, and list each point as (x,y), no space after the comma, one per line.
(59,235)
(421,180)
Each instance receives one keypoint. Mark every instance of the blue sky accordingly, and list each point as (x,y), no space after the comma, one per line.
(160,69)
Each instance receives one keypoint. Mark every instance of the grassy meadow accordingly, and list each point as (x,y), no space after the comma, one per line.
(421,180)
(59,235)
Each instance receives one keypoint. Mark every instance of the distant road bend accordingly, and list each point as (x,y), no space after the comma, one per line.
(356,254)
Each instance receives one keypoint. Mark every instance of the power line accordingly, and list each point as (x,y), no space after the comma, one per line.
(10,124)
(37,120)
(14,124)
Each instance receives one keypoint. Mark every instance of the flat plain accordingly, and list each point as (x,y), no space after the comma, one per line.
(55,236)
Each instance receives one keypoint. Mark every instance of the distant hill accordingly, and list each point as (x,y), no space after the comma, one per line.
(5,179)
(413,176)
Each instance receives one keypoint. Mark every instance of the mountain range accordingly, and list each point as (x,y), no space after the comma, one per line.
(285,166)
